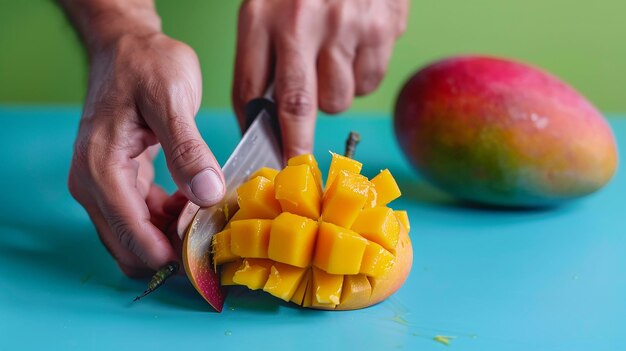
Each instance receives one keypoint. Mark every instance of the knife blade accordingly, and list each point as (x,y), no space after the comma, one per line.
(259,147)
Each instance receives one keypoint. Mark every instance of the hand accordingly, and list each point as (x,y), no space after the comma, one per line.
(144,90)
(321,53)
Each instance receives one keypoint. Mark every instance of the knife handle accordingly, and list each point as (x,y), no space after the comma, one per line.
(254,107)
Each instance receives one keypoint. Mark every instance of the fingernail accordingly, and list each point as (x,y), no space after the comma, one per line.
(207,186)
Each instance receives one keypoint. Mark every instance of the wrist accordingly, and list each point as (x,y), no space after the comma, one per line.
(101,23)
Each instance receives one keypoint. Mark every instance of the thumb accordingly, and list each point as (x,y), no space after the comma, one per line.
(190,161)
(192,164)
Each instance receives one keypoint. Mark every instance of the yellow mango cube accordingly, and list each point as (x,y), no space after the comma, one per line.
(345,198)
(339,164)
(326,288)
(256,198)
(376,260)
(250,237)
(403,218)
(380,225)
(228,271)
(338,250)
(220,248)
(297,192)
(308,159)
(253,273)
(355,290)
(265,172)
(371,197)
(292,239)
(239,215)
(283,280)
(298,295)
(386,187)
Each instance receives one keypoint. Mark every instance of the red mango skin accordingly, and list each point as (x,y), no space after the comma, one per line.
(500,132)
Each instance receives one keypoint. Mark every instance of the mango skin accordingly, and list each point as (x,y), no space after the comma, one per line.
(499,132)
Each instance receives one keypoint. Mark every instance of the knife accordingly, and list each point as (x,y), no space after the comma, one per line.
(259,147)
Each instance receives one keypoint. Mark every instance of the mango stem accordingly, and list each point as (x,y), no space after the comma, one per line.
(351,143)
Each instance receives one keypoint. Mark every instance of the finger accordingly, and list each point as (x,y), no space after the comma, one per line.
(175,203)
(157,203)
(252,60)
(370,67)
(127,215)
(335,79)
(296,95)
(190,161)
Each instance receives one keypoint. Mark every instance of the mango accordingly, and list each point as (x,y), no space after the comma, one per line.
(385,188)
(326,250)
(292,239)
(283,280)
(297,191)
(265,172)
(340,164)
(500,132)
(250,237)
(256,198)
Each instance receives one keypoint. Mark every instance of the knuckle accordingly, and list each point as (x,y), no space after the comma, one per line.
(186,152)
(124,234)
(297,103)
(341,16)
(378,31)
(250,9)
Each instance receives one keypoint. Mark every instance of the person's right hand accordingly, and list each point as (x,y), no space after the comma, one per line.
(144,90)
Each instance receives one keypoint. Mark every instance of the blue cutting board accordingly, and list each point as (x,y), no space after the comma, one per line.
(488,279)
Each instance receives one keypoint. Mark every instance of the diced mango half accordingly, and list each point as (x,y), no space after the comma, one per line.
(378,224)
(283,280)
(328,250)
(265,172)
(386,188)
(338,250)
(326,289)
(253,273)
(228,271)
(339,164)
(308,159)
(345,198)
(256,198)
(250,237)
(297,192)
(376,260)
(221,248)
(292,239)
(355,290)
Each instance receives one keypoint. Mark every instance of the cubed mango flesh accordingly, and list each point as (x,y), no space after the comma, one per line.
(403,218)
(250,237)
(378,224)
(283,280)
(308,159)
(253,273)
(376,260)
(355,290)
(292,239)
(345,198)
(228,271)
(297,192)
(338,250)
(326,288)
(265,172)
(239,215)
(256,198)
(386,188)
(220,248)
(340,163)
(298,295)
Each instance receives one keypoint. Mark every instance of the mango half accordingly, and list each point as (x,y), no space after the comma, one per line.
(337,247)
(500,132)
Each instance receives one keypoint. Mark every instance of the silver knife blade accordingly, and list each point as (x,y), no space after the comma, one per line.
(259,147)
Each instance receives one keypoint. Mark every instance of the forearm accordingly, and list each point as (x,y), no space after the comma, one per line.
(100,22)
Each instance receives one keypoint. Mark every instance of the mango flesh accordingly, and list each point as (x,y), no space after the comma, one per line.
(500,132)
(312,262)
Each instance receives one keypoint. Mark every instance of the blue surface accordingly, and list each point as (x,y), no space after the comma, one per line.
(494,280)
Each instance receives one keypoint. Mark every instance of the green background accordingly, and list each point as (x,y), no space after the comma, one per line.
(583,42)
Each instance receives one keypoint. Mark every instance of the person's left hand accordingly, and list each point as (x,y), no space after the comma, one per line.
(320,53)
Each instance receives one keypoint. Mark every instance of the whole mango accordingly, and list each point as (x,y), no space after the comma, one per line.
(500,132)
